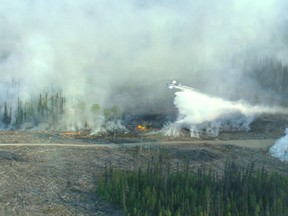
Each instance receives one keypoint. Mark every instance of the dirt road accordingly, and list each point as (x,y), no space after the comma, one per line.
(249,143)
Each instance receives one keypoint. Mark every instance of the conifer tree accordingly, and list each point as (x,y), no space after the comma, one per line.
(5,119)
(45,104)
(19,117)
(10,116)
(40,105)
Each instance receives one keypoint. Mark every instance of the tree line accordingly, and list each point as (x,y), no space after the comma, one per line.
(46,108)
(156,190)
(50,109)
(268,73)
(272,74)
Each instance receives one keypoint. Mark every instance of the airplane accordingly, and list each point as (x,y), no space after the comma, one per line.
(173,84)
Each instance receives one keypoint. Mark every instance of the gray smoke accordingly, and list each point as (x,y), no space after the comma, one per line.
(122,52)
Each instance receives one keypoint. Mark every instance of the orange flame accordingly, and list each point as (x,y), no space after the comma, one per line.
(70,133)
(141,127)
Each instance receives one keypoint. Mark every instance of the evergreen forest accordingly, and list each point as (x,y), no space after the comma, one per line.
(52,110)
(156,189)
(45,109)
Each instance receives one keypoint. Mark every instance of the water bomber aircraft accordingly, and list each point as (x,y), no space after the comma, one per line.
(173,84)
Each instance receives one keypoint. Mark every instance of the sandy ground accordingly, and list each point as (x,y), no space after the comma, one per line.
(50,174)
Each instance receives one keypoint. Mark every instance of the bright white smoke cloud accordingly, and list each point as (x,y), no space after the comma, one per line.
(280,148)
(203,114)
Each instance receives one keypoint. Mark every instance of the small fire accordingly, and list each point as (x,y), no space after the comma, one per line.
(70,133)
(141,127)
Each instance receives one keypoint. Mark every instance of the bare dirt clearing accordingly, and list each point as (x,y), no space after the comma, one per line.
(52,173)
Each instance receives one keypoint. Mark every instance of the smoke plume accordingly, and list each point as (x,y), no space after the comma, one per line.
(117,52)
(280,148)
(203,114)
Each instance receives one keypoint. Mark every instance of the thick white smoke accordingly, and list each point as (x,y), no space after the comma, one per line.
(201,113)
(280,148)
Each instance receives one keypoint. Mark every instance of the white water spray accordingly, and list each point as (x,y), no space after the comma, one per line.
(280,148)
(203,114)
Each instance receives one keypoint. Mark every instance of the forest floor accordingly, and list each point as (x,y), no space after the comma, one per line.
(55,173)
